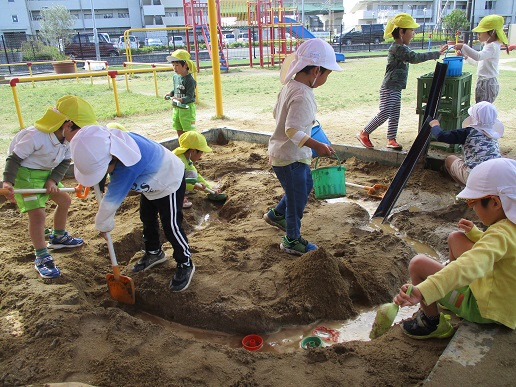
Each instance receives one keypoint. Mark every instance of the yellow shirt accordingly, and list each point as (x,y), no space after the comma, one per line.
(489,269)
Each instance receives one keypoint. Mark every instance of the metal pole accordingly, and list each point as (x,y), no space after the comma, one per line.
(303,13)
(95,35)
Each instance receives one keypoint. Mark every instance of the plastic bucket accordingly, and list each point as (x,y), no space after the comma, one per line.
(454,65)
(319,135)
(329,182)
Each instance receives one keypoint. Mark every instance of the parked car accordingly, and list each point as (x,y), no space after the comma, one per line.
(228,38)
(83,46)
(176,41)
(366,33)
(131,42)
(153,42)
(243,37)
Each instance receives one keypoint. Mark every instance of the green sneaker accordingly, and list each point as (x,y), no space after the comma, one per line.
(297,246)
(422,327)
(275,220)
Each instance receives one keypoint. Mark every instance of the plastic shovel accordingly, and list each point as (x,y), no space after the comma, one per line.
(376,191)
(385,316)
(121,288)
(80,191)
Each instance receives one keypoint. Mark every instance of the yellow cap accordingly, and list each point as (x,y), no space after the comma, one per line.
(191,140)
(184,55)
(490,23)
(401,20)
(116,125)
(68,108)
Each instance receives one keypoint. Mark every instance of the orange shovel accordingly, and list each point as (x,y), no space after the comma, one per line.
(121,288)
(376,191)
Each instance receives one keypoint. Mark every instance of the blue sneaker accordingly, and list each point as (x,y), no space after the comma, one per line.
(46,267)
(62,241)
(297,246)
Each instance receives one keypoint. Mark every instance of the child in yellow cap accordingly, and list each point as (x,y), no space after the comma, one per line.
(191,147)
(183,93)
(491,35)
(401,27)
(39,157)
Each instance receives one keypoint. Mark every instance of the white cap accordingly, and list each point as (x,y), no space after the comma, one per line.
(494,177)
(93,147)
(313,52)
(483,117)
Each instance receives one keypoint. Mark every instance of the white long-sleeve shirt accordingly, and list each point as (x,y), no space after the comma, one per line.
(486,60)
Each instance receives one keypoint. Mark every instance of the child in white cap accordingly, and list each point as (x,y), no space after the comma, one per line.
(491,35)
(479,139)
(290,146)
(144,166)
(183,92)
(479,283)
(401,27)
(39,157)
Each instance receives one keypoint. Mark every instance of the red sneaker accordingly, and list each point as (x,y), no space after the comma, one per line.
(363,137)
(391,143)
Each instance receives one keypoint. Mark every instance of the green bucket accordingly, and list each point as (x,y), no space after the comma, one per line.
(329,182)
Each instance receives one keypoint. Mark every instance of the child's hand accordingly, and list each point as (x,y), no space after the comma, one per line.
(200,186)
(51,186)
(465,225)
(443,49)
(434,123)
(403,299)
(9,196)
(167,96)
(458,46)
(323,149)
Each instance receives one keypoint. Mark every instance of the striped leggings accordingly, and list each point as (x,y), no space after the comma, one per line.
(390,105)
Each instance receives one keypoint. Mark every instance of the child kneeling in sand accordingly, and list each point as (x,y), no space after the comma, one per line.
(479,283)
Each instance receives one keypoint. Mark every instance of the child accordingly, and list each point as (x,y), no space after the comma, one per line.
(479,138)
(139,164)
(290,146)
(401,28)
(39,157)
(490,34)
(183,93)
(191,147)
(479,283)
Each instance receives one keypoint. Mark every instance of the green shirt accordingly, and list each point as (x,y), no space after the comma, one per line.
(398,60)
(184,88)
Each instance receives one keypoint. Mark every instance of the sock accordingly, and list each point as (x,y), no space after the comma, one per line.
(59,232)
(432,320)
(40,252)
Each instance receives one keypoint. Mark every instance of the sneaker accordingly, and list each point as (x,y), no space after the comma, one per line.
(46,267)
(187,203)
(297,246)
(391,143)
(182,277)
(62,241)
(150,260)
(275,220)
(422,327)
(363,137)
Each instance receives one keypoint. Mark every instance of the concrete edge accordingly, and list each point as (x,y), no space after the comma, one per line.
(381,156)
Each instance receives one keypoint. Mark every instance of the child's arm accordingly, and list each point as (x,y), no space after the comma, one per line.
(407,55)
(457,136)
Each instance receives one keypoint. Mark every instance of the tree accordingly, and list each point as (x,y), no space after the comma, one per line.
(57,25)
(456,20)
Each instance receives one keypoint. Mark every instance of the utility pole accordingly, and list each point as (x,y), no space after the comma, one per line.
(95,35)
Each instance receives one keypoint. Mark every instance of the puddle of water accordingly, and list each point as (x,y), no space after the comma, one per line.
(288,339)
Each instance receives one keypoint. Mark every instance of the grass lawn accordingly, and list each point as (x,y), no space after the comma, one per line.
(357,84)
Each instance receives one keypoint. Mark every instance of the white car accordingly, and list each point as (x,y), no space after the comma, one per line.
(176,41)
(132,42)
(229,38)
(153,42)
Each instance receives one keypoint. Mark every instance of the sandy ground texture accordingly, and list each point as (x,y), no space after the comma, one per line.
(70,330)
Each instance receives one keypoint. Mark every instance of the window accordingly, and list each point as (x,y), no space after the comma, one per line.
(123,14)
(15,18)
(11,1)
(489,5)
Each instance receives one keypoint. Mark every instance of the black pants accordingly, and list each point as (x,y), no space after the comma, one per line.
(170,210)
